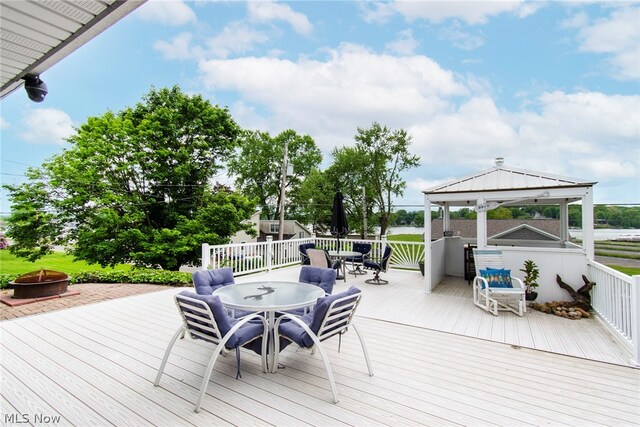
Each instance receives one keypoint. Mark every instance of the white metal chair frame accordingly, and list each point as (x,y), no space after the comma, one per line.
(203,319)
(494,299)
(335,322)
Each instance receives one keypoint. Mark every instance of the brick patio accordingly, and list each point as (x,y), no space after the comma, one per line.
(89,293)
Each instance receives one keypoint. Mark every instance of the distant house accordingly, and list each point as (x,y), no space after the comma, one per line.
(243,236)
(292,230)
(518,229)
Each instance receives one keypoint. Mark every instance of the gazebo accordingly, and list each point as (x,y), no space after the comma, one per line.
(499,186)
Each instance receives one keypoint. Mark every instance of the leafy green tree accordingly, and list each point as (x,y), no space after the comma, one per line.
(575,216)
(134,187)
(375,164)
(314,200)
(348,174)
(257,166)
(500,213)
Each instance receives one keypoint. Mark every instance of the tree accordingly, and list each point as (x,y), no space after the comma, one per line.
(500,213)
(314,201)
(134,186)
(257,166)
(375,163)
(348,174)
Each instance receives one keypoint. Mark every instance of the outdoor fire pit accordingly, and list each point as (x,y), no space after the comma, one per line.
(40,283)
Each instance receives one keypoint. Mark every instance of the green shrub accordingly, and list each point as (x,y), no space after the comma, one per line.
(153,277)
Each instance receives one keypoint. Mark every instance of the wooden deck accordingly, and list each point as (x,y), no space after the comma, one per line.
(95,365)
(450,308)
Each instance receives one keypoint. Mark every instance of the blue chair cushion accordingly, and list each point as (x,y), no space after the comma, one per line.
(372,265)
(363,248)
(325,278)
(208,281)
(313,319)
(497,278)
(246,333)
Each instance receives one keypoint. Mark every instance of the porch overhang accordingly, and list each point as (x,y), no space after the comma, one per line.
(37,35)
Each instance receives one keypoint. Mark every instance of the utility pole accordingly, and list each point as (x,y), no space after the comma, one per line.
(283,184)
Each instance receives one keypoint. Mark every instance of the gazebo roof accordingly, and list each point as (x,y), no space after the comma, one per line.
(500,178)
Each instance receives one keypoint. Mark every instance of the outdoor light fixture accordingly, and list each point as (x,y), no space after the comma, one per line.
(36,88)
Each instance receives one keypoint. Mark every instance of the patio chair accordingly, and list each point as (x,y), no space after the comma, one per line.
(207,281)
(324,278)
(321,258)
(304,258)
(331,316)
(378,267)
(204,318)
(493,287)
(357,262)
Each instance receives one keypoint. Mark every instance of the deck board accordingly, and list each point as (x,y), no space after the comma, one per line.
(95,365)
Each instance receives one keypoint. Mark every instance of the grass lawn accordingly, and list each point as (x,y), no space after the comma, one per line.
(631,271)
(405,237)
(58,261)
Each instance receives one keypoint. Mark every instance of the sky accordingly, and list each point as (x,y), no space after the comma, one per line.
(550,86)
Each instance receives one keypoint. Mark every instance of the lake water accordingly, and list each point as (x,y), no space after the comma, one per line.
(598,234)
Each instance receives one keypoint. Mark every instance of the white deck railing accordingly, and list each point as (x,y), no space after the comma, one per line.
(616,299)
(247,258)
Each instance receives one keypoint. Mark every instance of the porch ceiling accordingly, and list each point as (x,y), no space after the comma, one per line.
(35,35)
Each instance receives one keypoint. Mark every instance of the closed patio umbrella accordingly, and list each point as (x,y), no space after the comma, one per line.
(339,225)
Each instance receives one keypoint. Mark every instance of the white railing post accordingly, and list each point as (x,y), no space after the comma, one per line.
(269,251)
(206,256)
(635,318)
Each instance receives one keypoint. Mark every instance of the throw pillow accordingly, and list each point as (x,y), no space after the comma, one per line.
(497,278)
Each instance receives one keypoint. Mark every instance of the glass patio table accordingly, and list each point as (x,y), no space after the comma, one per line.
(269,297)
(342,256)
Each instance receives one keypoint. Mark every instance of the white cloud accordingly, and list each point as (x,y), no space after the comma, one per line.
(476,130)
(617,35)
(375,12)
(586,135)
(460,39)
(46,126)
(236,37)
(583,135)
(471,12)
(168,12)
(267,11)
(179,48)
(405,43)
(352,87)
(4,124)
(578,20)
(421,184)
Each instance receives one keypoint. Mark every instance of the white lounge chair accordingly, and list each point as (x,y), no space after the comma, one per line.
(489,291)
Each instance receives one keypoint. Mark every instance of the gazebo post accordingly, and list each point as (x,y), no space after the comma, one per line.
(428,255)
(481,226)
(587,224)
(564,222)
(446,219)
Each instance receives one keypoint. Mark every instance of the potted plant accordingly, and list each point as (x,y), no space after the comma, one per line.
(531,274)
